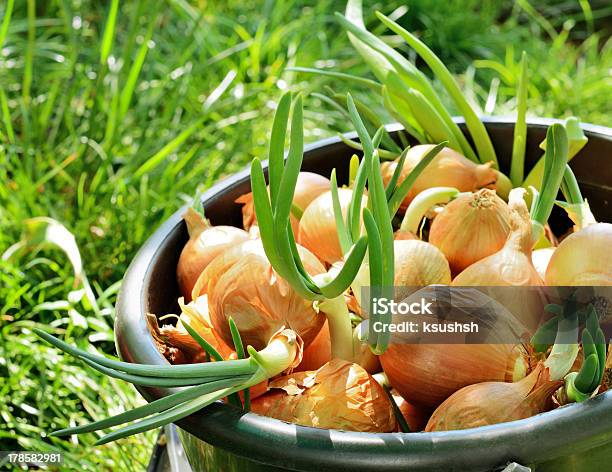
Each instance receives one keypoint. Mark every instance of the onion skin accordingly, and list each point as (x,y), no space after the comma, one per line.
(318,232)
(447,169)
(418,263)
(495,402)
(205,243)
(242,284)
(541,258)
(583,258)
(308,187)
(470,228)
(318,353)
(195,314)
(512,264)
(339,395)
(427,374)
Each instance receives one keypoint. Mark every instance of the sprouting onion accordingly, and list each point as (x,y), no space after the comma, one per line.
(207,382)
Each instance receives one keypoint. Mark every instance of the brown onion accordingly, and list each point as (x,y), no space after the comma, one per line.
(447,169)
(242,284)
(583,258)
(427,374)
(339,395)
(415,417)
(495,402)
(470,228)
(318,232)
(318,352)
(205,243)
(308,187)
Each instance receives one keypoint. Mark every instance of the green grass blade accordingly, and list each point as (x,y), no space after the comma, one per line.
(28,65)
(6,117)
(517,166)
(371,84)
(6,21)
(208,348)
(396,174)
(109,32)
(239,348)
(348,272)
(157,158)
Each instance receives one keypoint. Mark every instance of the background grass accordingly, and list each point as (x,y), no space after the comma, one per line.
(113,115)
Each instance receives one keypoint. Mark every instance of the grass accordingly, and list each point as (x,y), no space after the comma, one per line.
(113,115)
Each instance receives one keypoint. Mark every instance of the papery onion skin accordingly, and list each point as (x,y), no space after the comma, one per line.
(308,187)
(447,169)
(205,243)
(470,228)
(339,395)
(195,314)
(583,258)
(490,403)
(318,232)
(427,374)
(242,284)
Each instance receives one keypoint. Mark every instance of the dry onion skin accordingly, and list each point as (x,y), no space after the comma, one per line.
(339,395)
(490,403)
(448,169)
(308,187)
(242,284)
(583,258)
(195,314)
(470,228)
(205,243)
(318,232)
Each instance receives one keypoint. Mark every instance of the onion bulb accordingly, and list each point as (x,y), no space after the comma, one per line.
(511,265)
(205,243)
(415,417)
(540,259)
(339,395)
(318,232)
(242,284)
(470,228)
(495,402)
(195,314)
(583,258)
(447,169)
(427,374)
(308,187)
(318,352)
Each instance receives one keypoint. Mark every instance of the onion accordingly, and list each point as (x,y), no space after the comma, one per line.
(309,186)
(447,169)
(470,228)
(318,232)
(415,417)
(495,402)
(205,243)
(318,352)
(339,395)
(540,259)
(583,258)
(241,284)
(427,374)
(195,314)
